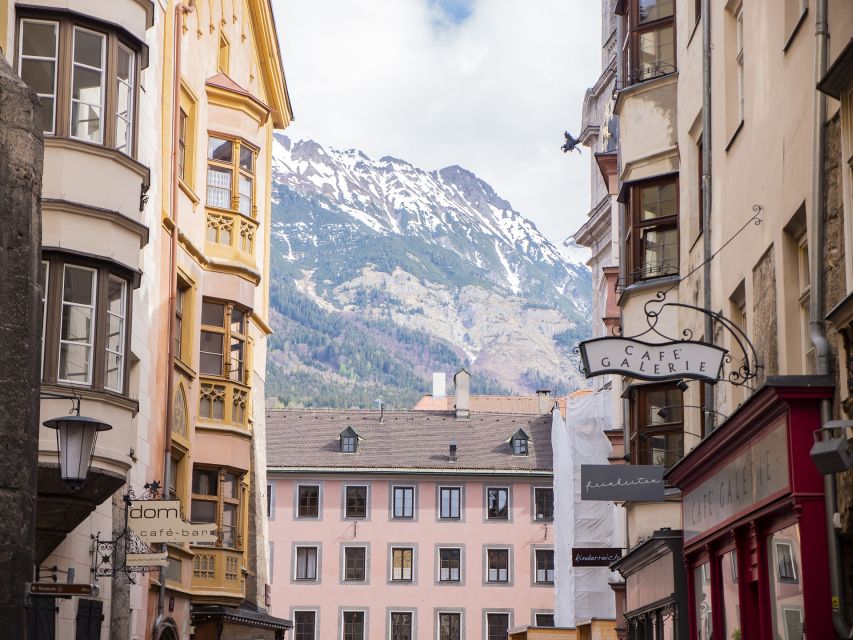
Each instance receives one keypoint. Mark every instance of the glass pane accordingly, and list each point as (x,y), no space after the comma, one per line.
(658,201)
(77,285)
(218,187)
(88,48)
(39,74)
(76,324)
(205,482)
(731,598)
(659,252)
(229,525)
(245,195)
(115,296)
(238,321)
(74,362)
(220,150)
(113,373)
(657,52)
(786,588)
(203,511)
(124,67)
(236,364)
(665,449)
(86,122)
(122,134)
(47,114)
(664,406)
(246,156)
(229,486)
(654,10)
(38,39)
(702,582)
(87,85)
(213,314)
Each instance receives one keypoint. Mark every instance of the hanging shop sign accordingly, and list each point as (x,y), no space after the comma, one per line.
(621,482)
(594,556)
(646,361)
(757,473)
(146,559)
(161,521)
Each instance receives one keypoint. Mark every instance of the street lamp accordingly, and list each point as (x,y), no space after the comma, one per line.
(75,445)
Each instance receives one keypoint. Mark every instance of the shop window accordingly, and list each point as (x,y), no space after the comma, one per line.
(304,625)
(306,563)
(230,177)
(497,626)
(543,498)
(355,502)
(85,77)
(544,566)
(497,565)
(731,597)
(650,46)
(309,502)
(216,498)
(786,592)
(657,425)
(401,564)
(223,341)
(401,625)
(652,236)
(702,607)
(353,625)
(497,501)
(449,563)
(355,564)
(86,325)
(404,501)
(448,503)
(449,626)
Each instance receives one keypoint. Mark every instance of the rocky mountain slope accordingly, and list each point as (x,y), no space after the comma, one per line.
(384,272)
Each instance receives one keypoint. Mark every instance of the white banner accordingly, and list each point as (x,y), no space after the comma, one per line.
(161,521)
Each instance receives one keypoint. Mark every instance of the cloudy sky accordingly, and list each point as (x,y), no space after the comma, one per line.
(486,84)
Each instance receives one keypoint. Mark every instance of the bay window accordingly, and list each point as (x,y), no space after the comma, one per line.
(85,323)
(652,234)
(657,425)
(85,75)
(651,42)
(230,179)
(223,341)
(216,498)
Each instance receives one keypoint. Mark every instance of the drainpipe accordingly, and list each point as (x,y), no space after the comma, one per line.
(706,195)
(816,303)
(181,9)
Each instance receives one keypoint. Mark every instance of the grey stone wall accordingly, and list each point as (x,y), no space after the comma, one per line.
(765,316)
(21,153)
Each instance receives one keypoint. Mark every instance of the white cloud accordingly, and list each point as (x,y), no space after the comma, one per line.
(492,93)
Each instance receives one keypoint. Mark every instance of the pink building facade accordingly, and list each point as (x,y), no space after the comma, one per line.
(376,532)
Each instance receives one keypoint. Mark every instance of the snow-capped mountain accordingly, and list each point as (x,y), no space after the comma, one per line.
(435,252)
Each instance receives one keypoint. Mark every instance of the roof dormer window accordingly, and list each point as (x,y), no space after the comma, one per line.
(519,441)
(349,440)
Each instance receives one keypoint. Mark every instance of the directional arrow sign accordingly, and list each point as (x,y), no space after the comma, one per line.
(59,589)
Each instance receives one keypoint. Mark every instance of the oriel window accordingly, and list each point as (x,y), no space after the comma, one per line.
(652,236)
(230,179)
(223,324)
(216,497)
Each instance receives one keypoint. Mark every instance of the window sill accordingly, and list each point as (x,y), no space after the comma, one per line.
(110,397)
(795,30)
(643,85)
(645,285)
(734,135)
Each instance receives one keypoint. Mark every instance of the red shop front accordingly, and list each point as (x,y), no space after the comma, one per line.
(754,521)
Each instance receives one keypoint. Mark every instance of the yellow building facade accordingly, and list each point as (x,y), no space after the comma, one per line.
(158,124)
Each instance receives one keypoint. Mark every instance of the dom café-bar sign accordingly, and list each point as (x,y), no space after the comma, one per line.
(660,361)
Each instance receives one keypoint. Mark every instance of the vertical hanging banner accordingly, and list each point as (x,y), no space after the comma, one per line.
(621,482)
(660,361)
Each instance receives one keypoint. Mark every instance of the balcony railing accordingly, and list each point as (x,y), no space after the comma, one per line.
(218,570)
(232,232)
(224,401)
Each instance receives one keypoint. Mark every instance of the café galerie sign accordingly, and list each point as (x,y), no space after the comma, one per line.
(661,361)
(161,521)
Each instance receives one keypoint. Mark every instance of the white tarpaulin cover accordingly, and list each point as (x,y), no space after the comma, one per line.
(582,593)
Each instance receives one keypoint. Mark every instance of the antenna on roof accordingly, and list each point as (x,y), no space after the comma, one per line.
(379,402)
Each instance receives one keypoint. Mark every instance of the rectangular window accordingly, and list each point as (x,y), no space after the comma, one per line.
(701,192)
(404,500)
(87,85)
(544,566)
(353,623)
(652,236)
(449,501)
(172,491)
(223,325)
(304,625)
(804,281)
(544,619)
(449,565)
(216,498)
(498,565)
(77,330)
(355,559)
(657,425)
(348,443)
(739,60)
(449,626)
(116,314)
(401,564)
(125,69)
(37,63)
(652,39)
(45,280)
(180,310)
(309,502)
(543,498)
(498,503)
(183,119)
(246,181)
(220,160)
(356,502)
(497,625)
(401,625)
(306,563)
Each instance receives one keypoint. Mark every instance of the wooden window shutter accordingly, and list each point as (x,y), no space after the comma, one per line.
(42,622)
(89,618)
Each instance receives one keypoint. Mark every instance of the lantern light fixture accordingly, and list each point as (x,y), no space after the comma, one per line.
(75,444)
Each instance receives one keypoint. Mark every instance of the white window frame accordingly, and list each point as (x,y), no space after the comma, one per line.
(296,550)
(103,72)
(120,352)
(312,612)
(403,515)
(739,60)
(91,343)
(129,83)
(544,572)
(458,515)
(450,569)
(55,60)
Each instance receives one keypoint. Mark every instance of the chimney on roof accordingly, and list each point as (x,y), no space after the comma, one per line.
(462,385)
(544,401)
(439,385)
